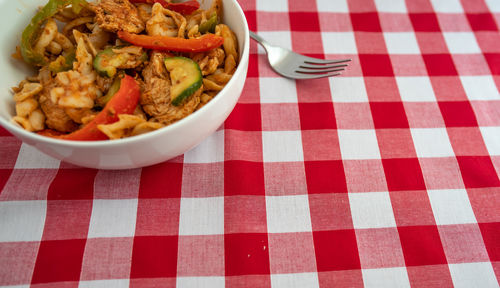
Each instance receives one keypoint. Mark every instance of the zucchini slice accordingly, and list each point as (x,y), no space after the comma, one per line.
(186,78)
(107,62)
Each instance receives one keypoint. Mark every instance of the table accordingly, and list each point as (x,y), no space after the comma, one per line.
(387,176)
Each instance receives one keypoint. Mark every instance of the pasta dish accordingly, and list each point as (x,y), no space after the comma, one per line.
(117,68)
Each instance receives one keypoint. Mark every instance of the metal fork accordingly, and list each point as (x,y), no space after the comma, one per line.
(296,66)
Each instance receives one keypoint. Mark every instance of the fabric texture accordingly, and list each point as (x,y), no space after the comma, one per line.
(387,176)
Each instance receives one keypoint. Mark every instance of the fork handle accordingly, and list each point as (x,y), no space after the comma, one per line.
(258,39)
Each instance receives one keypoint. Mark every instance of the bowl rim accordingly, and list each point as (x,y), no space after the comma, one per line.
(245,52)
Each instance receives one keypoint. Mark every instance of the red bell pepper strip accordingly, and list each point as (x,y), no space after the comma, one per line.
(165,43)
(184,8)
(124,102)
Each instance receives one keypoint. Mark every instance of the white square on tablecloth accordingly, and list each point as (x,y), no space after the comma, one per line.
(432,142)
(371,210)
(493,5)
(461,42)
(211,150)
(272,6)
(396,277)
(415,89)
(113,218)
(110,283)
(451,206)
(491,137)
(288,214)
(479,274)
(393,6)
(447,6)
(31,158)
(348,89)
(339,43)
(282,146)
(277,38)
(358,144)
(339,6)
(480,87)
(277,90)
(295,280)
(201,282)
(22,220)
(202,216)
(401,43)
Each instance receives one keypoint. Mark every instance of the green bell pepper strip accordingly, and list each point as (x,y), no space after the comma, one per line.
(33,29)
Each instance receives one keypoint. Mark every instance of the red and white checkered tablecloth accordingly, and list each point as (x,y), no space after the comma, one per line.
(387,176)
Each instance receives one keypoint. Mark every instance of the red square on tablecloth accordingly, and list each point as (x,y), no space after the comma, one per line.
(157,217)
(17,260)
(317,116)
(463,243)
(201,255)
(365,175)
(336,250)
(67,219)
(441,173)
(285,178)
(439,65)
(243,178)
(395,143)
(482,22)
(280,117)
(403,174)
(485,203)
(458,114)
(246,254)
(412,208)
(72,184)
(304,21)
(245,214)
(491,234)
(376,65)
(325,177)
(59,261)
(366,22)
(291,253)
(389,115)
(379,248)
(170,184)
(4,177)
(423,114)
(154,256)
(330,212)
(9,152)
(421,245)
(245,116)
(430,276)
(493,60)
(424,22)
(467,141)
(113,184)
(107,258)
(478,171)
(252,73)
(320,145)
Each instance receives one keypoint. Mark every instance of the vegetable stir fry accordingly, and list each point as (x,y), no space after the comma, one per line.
(117,68)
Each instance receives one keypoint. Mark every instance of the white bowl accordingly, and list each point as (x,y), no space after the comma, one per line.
(134,152)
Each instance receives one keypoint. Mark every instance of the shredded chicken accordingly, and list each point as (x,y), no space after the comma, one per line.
(164,22)
(115,15)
